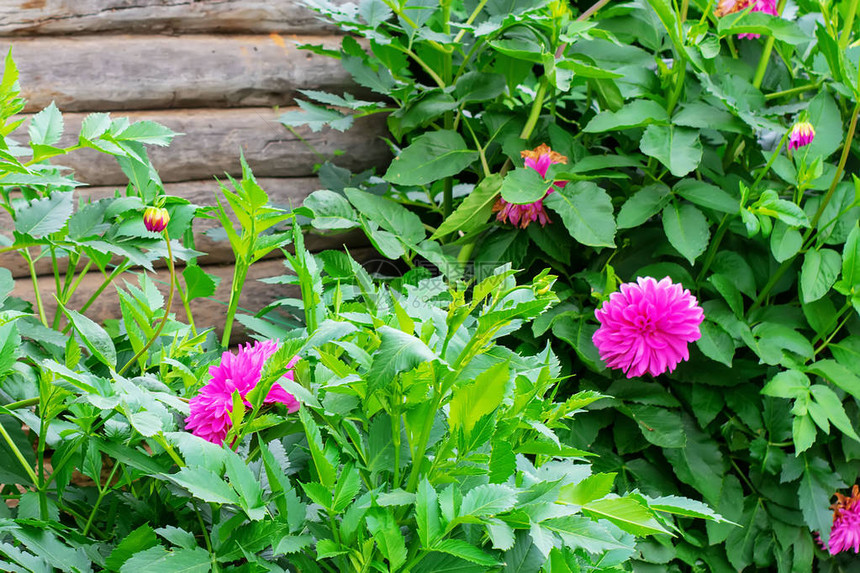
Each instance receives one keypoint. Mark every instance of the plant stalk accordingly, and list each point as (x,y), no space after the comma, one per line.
(167,307)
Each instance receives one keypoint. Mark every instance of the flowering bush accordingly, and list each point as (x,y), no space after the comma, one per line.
(710,143)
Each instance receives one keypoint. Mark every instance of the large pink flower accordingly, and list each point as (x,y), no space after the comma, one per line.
(211,407)
(538,159)
(725,7)
(845,533)
(646,326)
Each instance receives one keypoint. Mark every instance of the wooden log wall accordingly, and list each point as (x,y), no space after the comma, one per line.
(217,71)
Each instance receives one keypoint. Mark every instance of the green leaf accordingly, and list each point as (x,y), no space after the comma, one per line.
(581,532)
(474,211)
(643,205)
(771,205)
(347,487)
(785,241)
(316,117)
(687,230)
(700,463)
(707,195)
(627,513)
(204,484)
(94,336)
(716,343)
(388,214)
(467,551)
(138,540)
(398,352)
(45,216)
(586,211)
(837,374)
(199,283)
(431,157)
(685,507)
(802,433)
(503,461)
(488,500)
(331,210)
(832,407)
(242,480)
(637,113)
(787,384)
(851,260)
(46,544)
(148,132)
(678,148)
(159,560)
(471,402)
(383,527)
(762,23)
(524,186)
(478,86)
(817,484)
(46,127)
(818,274)
(591,488)
(741,540)
(427,513)
(660,426)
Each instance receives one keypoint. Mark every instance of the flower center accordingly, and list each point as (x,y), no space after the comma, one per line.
(645,324)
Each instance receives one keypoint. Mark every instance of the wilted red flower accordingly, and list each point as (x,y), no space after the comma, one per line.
(155,219)
(801,134)
(646,326)
(538,159)
(845,533)
(211,407)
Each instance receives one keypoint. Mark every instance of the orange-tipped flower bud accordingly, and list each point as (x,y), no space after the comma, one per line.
(155,219)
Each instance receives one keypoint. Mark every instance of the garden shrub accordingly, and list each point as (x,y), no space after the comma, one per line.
(385,430)
(711,143)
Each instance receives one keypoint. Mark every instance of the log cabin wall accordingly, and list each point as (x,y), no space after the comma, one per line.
(217,71)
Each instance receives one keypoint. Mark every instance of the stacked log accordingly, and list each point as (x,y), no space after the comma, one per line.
(217,71)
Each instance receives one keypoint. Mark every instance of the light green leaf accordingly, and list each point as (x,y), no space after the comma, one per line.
(707,195)
(204,484)
(331,210)
(471,402)
(427,513)
(388,214)
(246,485)
(46,127)
(591,488)
(524,186)
(398,352)
(467,551)
(94,336)
(159,560)
(148,132)
(45,216)
(488,500)
(787,384)
(627,513)
(851,260)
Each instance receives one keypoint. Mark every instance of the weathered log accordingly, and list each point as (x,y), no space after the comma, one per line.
(40,17)
(214,137)
(285,193)
(96,73)
(207,312)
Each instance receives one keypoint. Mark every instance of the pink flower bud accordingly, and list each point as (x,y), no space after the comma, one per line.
(155,219)
(801,134)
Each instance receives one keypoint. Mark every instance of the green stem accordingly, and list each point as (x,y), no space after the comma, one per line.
(423,439)
(93,297)
(712,248)
(102,492)
(679,85)
(833,321)
(35,279)
(534,113)
(240,272)
(187,306)
(793,91)
(30,473)
(166,308)
(22,404)
(847,26)
(765,53)
(471,19)
(824,344)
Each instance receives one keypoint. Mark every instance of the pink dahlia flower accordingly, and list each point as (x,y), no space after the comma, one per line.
(211,407)
(538,159)
(845,533)
(725,7)
(801,134)
(646,326)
